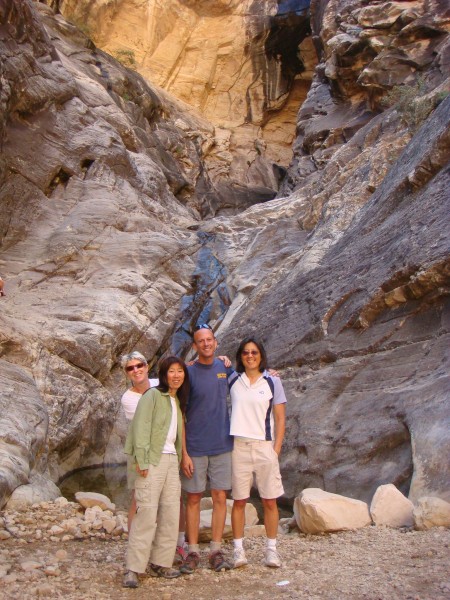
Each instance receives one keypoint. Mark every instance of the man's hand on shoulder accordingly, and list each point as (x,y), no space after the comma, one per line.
(273,372)
(226,361)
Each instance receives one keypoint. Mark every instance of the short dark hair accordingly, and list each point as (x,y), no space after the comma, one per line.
(183,391)
(239,364)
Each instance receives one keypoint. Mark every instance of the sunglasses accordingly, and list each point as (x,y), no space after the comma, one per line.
(134,367)
(203,326)
(250,352)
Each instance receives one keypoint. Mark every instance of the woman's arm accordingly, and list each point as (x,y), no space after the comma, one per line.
(279,415)
(141,431)
(186,461)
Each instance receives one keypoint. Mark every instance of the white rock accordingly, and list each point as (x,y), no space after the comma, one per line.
(70,525)
(431,512)
(390,507)
(122,521)
(109,525)
(251,515)
(92,514)
(61,501)
(30,565)
(317,511)
(254,531)
(52,571)
(89,499)
(61,555)
(56,530)
(97,524)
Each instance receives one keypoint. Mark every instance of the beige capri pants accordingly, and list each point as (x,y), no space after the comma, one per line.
(154,529)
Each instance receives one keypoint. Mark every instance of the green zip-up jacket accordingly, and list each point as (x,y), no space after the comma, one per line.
(148,430)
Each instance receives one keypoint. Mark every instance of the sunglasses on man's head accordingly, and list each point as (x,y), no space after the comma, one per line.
(203,326)
(250,352)
(134,367)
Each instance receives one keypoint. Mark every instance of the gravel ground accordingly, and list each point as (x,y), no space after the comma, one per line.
(372,563)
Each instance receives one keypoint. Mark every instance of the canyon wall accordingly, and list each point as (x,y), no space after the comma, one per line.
(245,65)
(105,183)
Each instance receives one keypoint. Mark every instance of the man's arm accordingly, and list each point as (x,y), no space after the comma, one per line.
(226,361)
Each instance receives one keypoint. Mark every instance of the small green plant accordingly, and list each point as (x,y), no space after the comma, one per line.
(126,58)
(412,103)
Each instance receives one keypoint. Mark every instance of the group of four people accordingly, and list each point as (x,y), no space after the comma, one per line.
(185,421)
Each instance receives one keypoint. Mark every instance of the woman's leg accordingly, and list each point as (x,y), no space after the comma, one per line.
(131,510)
(270,517)
(143,527)
(238,518)
(165,541)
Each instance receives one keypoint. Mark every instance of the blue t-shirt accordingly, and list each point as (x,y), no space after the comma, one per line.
(207,418)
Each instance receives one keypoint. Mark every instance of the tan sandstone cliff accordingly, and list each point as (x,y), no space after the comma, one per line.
(246,66)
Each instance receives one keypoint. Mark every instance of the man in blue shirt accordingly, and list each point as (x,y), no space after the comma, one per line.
(207,446)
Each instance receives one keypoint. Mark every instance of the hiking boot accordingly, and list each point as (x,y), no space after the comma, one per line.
(272,558)
(180,556)
(166,572)
(218,562)
(190,563)
(130,580)
(240,560)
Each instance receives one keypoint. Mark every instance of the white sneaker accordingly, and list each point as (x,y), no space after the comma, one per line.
(240,560)
(272,558)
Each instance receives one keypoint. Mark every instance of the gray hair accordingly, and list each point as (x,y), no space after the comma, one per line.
(135,355)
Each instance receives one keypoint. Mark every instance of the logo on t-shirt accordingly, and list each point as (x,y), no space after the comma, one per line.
(221,375)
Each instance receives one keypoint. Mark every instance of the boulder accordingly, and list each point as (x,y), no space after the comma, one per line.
(251,519)
(431,512)
(91,499)
(390,507)
(40,489)
(317,511)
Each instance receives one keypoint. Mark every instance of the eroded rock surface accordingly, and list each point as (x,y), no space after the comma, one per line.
(246,65)
(104,183)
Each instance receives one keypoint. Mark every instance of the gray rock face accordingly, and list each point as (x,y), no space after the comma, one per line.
(23,428)
(344,277)
(362,330)
(95,247)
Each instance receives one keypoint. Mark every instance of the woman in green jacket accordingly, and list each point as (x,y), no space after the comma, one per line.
(154,441)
